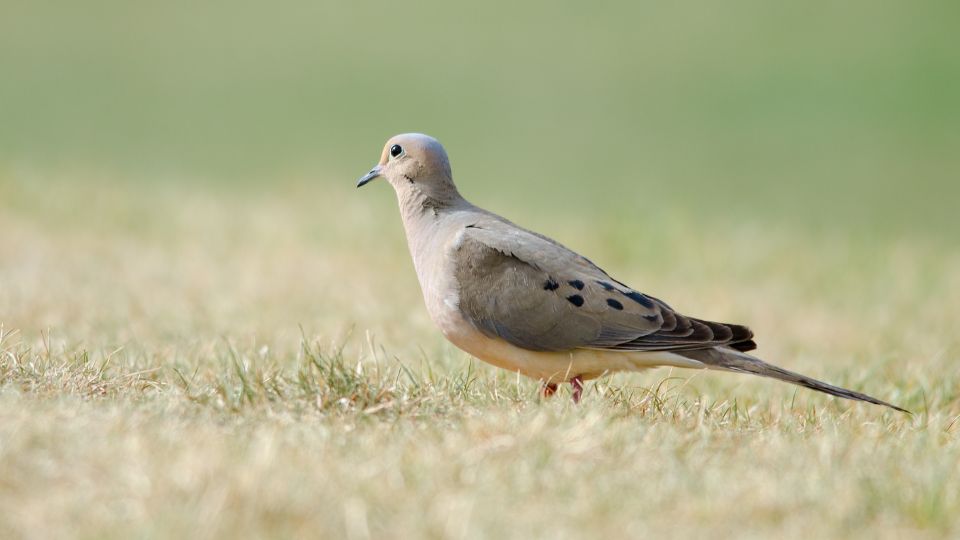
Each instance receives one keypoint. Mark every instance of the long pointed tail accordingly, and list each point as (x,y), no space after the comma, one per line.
(729,359)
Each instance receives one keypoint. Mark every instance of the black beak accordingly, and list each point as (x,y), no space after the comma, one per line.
(365,179)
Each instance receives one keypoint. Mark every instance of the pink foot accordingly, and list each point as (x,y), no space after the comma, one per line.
(576,384)
(549,389)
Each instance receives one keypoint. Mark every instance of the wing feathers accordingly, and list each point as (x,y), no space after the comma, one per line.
(538,295)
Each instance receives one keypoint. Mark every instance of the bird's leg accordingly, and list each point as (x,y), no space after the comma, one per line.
(549,389)
(576,384)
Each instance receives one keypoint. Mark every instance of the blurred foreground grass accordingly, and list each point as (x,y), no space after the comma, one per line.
(195,361)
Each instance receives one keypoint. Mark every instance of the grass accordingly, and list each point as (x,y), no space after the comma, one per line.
(179,360)
(206,332)
(244,447)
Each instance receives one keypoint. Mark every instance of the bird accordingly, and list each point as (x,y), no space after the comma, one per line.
(523,302)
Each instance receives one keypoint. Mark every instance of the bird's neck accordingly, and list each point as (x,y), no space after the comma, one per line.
(421,205)
(424,215)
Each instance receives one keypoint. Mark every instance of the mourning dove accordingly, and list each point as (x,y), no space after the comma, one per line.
(523,302)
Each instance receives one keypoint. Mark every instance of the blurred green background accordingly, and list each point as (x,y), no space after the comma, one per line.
(177,215)
(815,114)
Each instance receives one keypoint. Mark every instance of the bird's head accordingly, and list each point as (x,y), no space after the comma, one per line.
(414,162)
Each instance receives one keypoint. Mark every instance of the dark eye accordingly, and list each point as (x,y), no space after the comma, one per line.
(395,150)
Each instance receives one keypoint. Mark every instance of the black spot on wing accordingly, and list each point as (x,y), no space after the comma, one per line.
(575,299)
(550,285)
(576,284)
(614,304)
(606,286)
(652,318)
(639,298)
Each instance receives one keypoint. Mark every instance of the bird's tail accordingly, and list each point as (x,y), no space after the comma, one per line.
(727,359)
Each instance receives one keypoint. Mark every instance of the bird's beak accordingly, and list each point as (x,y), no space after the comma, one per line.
(365,179)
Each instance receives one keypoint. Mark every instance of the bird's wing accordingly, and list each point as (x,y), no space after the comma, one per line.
(536,294)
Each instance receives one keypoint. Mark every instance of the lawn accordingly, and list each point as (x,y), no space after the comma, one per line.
(206,332)
(184,361)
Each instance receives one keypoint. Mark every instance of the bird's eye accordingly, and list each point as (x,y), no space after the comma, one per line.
(396,150)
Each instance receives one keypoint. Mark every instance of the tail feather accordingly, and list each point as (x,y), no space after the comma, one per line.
(728,359)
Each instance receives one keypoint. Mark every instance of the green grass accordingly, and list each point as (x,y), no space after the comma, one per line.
(207,332)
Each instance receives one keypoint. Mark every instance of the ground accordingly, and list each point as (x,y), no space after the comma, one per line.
(188,361)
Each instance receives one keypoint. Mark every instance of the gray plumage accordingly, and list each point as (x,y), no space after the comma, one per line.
(524,302)
(497,260)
